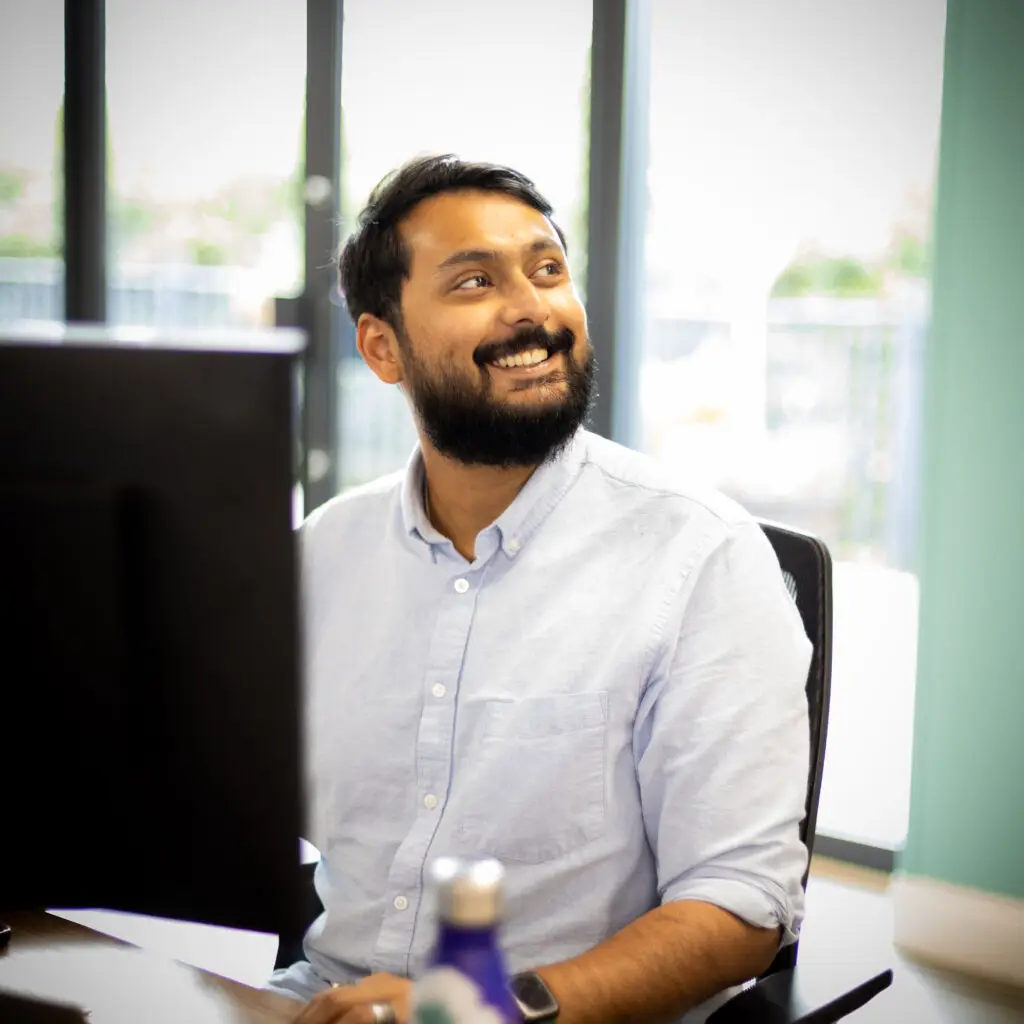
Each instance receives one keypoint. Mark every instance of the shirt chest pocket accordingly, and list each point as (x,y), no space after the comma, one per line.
(534,785)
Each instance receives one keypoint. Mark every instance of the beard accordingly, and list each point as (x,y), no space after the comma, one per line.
(464,421)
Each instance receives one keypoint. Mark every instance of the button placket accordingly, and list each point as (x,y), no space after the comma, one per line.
(433,762)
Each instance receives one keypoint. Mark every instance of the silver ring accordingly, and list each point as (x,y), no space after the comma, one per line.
(383,1013)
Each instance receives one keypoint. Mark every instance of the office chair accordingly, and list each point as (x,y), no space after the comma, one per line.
(781,995)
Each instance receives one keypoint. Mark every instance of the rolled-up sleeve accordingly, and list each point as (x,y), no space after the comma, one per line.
(721,738)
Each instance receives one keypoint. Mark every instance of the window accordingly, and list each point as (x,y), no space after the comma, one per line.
(487,82)
(205,111)
(792,156)
(31,156)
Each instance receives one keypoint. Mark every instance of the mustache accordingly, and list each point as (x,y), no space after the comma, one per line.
(561,340)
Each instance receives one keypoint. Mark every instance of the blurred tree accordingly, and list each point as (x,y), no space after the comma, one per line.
(12,185)
(909,254)
(796,280)
(849,278)
(838,276)
(130,219)
(23,247)
(207,254)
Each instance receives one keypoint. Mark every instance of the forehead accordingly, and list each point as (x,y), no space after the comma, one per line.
(456,221)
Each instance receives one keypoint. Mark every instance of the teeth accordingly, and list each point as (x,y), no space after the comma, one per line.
(531,358)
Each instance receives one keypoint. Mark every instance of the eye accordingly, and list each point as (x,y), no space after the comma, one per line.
(468,284)
(551,269)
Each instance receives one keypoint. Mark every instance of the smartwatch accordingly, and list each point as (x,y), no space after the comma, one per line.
(534,999)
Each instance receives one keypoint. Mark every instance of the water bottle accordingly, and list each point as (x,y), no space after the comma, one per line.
(466,982)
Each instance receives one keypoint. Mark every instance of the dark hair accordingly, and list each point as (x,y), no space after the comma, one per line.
(374,261)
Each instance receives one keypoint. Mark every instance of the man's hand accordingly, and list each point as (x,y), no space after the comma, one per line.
(351,1003)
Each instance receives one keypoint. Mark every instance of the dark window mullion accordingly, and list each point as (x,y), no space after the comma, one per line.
(85,161)
(617,201)
(319,312)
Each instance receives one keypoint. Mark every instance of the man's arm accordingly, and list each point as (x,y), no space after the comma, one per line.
(652,971)
(721,748)
(663,964)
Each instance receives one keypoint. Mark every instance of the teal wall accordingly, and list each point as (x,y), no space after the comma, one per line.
(967,800)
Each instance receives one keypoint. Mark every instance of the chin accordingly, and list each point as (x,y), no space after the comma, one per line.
(540,390)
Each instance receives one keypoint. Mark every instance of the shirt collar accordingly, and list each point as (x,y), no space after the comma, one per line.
(532,505)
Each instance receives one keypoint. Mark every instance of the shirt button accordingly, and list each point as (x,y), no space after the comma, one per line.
(430,801)
(401,903)
(439,689)
(514,545)
(461,586)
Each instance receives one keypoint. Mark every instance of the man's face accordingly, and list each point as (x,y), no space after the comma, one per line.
(493,344)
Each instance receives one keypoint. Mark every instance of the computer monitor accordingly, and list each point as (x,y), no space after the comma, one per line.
(149,651)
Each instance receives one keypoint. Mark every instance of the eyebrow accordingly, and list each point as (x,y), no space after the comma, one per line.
(491,255)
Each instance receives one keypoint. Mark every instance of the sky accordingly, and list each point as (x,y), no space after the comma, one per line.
(771,124)
(774,124)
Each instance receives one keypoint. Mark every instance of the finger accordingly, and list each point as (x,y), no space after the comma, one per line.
(325,1008)
(359,1015)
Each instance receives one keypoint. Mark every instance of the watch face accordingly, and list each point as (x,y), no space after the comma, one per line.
(534,998)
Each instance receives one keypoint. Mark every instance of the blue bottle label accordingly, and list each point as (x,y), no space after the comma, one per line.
(446,996)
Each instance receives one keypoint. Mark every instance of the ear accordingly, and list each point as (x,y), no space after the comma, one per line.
(378,346)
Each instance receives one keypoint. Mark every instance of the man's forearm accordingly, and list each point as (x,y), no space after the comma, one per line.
(660,966)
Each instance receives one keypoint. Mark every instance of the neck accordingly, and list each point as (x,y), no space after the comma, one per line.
(463,500)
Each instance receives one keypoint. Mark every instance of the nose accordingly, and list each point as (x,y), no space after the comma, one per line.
(524,305)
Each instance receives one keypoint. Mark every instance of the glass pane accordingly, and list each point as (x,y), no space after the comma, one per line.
(454,80)
(793,151)
(31,154)
(205,106)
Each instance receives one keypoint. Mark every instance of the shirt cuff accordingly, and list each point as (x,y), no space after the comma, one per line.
(743,899)
(299,981)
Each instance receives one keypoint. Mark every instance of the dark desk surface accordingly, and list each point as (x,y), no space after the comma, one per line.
(53,959)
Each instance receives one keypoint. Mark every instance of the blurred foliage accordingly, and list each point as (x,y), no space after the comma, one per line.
(910,255)
(24,247)
(839,276)
(129,219)
(797,279)
(207,254)
(12,185)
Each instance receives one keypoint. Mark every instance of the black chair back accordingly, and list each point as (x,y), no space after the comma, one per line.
(807,569)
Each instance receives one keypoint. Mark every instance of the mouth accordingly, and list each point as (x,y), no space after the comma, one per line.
(533,363)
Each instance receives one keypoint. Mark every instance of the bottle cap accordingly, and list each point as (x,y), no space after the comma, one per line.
(468,891)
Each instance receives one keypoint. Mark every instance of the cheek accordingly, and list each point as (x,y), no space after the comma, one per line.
(445,341)
(574,316)
(565,301)
(456,332)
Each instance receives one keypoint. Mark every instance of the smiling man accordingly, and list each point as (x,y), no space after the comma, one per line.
(532,644)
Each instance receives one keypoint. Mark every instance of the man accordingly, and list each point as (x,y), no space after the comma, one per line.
(532,644)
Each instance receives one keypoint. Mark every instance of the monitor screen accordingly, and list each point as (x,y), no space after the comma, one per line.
(149,651)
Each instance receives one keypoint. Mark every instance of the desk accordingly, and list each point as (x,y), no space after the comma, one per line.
(62,962)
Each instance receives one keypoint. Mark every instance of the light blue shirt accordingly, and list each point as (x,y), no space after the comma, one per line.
(609,698)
